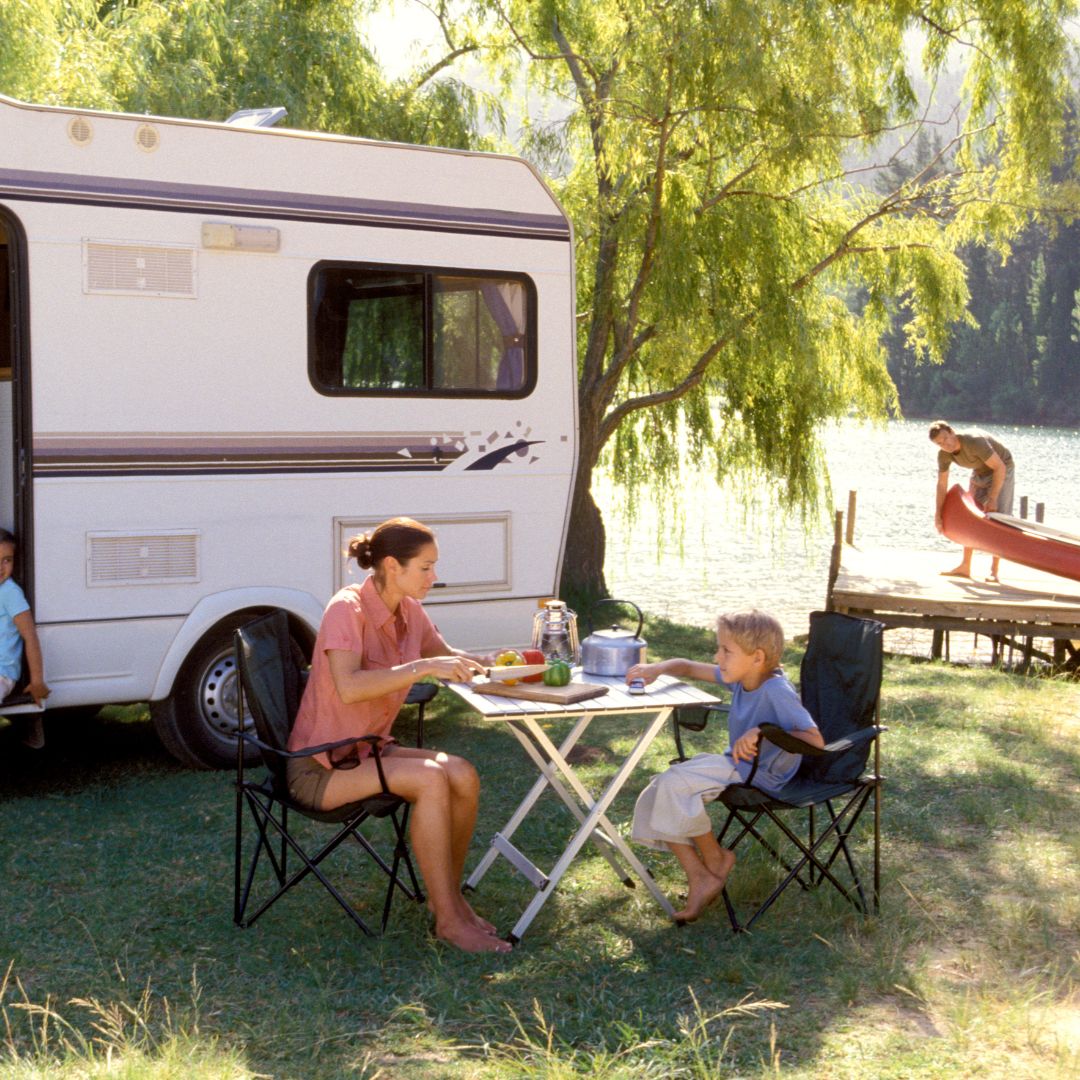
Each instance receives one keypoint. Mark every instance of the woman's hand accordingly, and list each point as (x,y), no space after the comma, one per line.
(450,668)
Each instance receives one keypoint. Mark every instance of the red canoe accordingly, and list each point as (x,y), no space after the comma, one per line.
(1016,539)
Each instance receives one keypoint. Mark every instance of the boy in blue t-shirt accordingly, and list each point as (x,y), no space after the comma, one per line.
(18,632)
(670,813)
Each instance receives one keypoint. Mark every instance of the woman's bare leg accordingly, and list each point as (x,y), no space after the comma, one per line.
(464,805)
(424,783)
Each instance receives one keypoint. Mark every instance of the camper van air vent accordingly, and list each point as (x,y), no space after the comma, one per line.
(142,558)
(133,269)
(147,138)
(80,131)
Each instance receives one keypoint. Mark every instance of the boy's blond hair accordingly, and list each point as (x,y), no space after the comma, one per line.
(754,629)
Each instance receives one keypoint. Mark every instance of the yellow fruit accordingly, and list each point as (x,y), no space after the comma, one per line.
(508,658)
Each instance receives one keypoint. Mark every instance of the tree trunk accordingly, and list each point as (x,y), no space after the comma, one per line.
(583,567)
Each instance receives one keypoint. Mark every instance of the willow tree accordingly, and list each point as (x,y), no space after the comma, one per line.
(705,160)
(207,58)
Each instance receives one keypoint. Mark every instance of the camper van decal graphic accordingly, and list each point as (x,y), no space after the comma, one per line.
(497,457)
(192,453)
(291,205)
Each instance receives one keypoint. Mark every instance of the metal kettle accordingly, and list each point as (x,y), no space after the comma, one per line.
(555,632)
(613,651)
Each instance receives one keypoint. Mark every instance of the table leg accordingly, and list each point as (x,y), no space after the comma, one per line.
(549,767)
(529,801)
(594,817)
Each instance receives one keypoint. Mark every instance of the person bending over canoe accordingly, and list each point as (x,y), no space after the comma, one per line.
(991,484)
(374,642)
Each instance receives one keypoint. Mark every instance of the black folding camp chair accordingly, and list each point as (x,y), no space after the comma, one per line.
(840,681)
(270,678)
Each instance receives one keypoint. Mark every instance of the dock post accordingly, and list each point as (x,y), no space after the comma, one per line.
(834,560)
(849,535)
(1040,512)
(1023,506)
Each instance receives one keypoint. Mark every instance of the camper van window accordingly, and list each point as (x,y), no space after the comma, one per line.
(382,330)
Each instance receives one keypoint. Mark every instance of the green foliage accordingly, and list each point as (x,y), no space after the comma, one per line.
(207,58)
(1017,359)
(720,222)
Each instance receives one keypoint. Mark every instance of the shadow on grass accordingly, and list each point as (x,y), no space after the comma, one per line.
(118,866)
(115,745)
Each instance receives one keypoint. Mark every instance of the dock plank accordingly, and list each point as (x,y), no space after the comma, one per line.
(910,583)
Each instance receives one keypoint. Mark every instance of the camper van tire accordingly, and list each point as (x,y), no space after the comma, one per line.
(198,721)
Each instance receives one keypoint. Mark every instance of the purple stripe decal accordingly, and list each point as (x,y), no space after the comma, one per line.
(271,203)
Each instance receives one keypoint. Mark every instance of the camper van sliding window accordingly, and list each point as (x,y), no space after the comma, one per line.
(379,330)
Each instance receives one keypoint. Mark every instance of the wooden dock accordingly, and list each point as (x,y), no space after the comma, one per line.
(907,589)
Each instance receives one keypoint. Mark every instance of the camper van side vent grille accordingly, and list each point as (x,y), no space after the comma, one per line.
(121,268)
(142,558)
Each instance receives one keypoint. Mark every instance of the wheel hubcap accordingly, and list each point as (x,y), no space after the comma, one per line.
(219,693)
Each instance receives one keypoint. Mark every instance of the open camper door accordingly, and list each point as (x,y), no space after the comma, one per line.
(247,345)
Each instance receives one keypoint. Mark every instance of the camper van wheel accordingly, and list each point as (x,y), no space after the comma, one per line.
(199,720)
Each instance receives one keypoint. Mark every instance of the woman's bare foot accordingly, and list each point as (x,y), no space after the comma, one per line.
(468,915)
(470,938)
(957,571)
(477,920)
(706,887)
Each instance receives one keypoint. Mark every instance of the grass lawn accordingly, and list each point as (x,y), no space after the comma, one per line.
(121,957)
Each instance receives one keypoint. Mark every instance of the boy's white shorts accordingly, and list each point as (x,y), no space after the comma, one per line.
(671,810)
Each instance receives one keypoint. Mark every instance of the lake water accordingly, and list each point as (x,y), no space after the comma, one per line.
(727,553)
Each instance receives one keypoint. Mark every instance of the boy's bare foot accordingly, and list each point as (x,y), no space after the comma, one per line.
(706,887)
(470,938)
(956,571)
(721,865)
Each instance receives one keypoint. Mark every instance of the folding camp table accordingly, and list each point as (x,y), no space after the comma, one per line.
(527,720)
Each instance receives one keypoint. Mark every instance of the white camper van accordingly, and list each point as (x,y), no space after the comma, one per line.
(225,349)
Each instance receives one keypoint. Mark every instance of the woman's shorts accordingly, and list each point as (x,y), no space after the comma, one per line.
(307,781)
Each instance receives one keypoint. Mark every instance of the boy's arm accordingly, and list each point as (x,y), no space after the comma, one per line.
(677,666)
(811,736)
(36,688)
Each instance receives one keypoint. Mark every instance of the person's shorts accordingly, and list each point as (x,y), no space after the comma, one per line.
(6,686)
(981,488)
(307,781)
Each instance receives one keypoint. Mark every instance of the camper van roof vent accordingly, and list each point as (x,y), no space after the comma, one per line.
(258,117)
(80,131)
(147,138)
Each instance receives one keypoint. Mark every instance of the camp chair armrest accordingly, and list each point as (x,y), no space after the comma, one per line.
(306,751)
(695,717)
(789,742)
(856,738)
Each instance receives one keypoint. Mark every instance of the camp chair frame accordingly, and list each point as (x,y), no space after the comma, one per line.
(812,858)
(268,802)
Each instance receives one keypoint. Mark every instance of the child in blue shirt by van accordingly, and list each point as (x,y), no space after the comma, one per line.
(670,813)
(18,634)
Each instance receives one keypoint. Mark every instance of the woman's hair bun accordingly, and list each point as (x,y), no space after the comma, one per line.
(360,550)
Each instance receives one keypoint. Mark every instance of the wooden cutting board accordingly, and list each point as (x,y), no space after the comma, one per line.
(556,695)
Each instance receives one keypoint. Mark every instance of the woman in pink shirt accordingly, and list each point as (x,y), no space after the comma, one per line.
(374,642)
